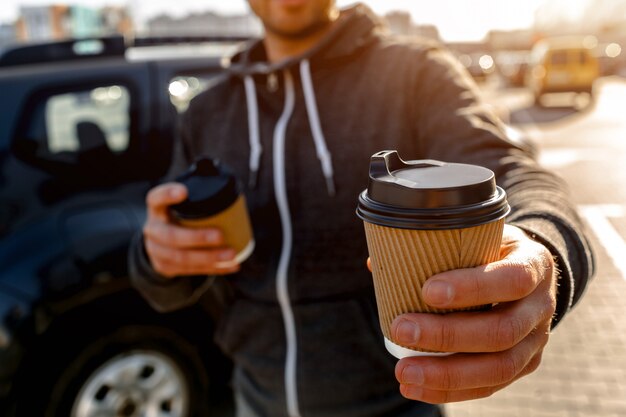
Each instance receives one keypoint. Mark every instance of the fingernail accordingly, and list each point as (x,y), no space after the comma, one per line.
(412,375)
(407,332)
(226,255)
(177,192)
(211,236)
(438,293)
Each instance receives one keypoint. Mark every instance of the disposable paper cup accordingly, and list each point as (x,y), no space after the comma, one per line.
(235,226)
(422,218)
(215,200)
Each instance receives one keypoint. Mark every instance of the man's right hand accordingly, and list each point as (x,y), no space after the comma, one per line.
(176,250)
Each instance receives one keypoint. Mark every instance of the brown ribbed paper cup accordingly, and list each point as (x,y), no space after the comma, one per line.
(215,200)
(422,218)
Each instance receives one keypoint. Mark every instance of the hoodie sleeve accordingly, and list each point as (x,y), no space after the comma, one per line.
(453,124)
(166,294)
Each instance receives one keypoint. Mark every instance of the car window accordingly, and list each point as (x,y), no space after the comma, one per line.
(82,134)
(88,118)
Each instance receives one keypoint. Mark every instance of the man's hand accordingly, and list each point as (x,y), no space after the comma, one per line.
(494,347)
(175,250)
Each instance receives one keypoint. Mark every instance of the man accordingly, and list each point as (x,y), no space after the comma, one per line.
(298,116)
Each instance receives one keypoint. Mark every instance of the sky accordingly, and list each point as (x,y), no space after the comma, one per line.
(456,19)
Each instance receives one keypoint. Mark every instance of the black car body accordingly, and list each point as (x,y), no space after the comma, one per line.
(83,136)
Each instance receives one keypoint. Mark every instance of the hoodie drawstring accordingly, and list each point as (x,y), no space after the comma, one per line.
(316,128)
(321,148)
(253,132)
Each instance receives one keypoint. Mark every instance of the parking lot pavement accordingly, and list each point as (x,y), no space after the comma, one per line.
(583,372)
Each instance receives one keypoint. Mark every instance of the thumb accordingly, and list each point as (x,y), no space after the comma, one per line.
(162,196)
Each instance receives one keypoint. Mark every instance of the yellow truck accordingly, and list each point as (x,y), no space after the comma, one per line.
(560,65)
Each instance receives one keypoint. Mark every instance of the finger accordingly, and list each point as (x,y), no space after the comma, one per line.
(512,278)
(162,196)
(167,234)
(432,396)
(185,260)
(369,264)
(471,371)
(486,331)
(171,270)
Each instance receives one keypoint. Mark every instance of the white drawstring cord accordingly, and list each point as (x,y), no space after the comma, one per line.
(316,128)
(253,131)
(282,273)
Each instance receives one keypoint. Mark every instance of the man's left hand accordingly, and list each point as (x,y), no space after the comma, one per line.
(494,348)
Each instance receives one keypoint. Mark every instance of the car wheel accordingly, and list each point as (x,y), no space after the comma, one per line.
(134,371)
(134,383)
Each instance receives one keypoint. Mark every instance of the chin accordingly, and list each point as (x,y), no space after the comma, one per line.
(293,29)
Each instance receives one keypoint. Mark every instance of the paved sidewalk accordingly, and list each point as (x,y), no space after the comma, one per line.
(583,372)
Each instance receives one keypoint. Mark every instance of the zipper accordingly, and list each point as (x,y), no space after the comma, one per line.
(282,288)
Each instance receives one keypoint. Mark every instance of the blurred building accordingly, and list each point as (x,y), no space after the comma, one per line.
(513,40)
(205,24)
(84,22)
(41,23)
(117,19)
(400,23)
(38,23)
(7,33)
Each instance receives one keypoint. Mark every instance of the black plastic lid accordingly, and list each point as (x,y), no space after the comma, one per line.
(212,188)
(429,194)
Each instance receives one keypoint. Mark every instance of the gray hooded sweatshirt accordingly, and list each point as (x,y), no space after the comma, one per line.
(302,326)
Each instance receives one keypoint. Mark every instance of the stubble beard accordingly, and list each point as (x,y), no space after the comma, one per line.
(304,33)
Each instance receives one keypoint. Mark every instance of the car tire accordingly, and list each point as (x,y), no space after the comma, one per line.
(118,374)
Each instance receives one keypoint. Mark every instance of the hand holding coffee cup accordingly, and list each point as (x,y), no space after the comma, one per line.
(215,200)
(187,235)
(422,218)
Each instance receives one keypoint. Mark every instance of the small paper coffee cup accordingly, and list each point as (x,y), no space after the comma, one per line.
(403,260)
(422,218)
(215,199)
(234,223)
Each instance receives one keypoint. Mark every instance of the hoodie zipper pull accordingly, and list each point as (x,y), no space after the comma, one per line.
(272,82)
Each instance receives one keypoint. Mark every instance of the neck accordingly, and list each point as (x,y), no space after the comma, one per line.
(280,47)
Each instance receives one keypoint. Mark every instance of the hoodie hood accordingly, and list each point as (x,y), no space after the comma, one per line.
(356,28)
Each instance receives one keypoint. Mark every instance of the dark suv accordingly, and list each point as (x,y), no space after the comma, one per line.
(86,128)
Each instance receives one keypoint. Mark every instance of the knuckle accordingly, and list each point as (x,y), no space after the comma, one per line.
(524,279)
(150,230)
(544,337)
(156,231)
(167,234)
(159,266)
(477,287)
(179,257)
(507,333)
(548,307)
(448,378)
(534,363)
(153,195)
(506,369)
(445,338)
